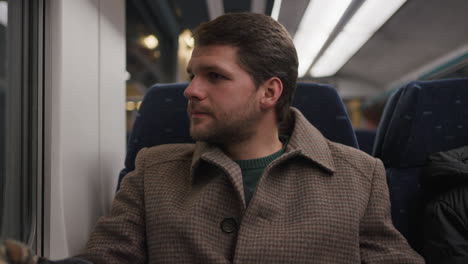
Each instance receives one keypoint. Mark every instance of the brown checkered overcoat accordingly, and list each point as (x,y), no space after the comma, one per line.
(320,202)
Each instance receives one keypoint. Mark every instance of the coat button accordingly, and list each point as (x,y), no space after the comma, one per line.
(229,225)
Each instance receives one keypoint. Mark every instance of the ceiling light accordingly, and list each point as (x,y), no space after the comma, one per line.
(130,106)
(276,9)
(318,22)
(128,76)
(364,23)
(4,13)
(187,38)
(150,42)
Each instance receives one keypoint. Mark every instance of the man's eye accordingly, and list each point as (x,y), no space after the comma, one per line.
(216,76)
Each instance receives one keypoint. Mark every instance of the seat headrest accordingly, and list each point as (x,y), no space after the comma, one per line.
(161,119)
(323,107)
(423,117)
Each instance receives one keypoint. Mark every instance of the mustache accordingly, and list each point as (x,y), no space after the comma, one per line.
(191,107)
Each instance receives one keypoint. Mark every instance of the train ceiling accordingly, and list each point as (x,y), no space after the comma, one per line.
(419,33)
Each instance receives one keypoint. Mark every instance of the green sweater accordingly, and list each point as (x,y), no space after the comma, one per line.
(252,170)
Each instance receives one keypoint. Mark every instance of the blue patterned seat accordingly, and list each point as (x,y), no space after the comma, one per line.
(366,140)
(421,118)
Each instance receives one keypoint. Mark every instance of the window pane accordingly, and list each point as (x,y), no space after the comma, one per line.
(11,178)
(3,109)
(151,53)
(20,47)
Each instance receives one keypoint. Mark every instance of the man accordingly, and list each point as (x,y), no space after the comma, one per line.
(248,191)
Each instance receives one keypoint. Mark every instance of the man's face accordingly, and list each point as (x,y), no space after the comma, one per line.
(223,105)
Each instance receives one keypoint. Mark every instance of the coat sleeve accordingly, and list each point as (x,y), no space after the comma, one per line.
(121,236)
(379,241)
(446,228)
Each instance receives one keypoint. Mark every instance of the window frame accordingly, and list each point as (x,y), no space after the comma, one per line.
(24,121)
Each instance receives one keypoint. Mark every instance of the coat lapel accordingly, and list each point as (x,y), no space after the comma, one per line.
(309,142)
(213,155)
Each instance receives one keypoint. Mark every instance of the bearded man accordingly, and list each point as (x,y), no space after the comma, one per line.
(261,184)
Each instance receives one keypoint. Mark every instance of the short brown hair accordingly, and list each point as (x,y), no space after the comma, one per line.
(265,50)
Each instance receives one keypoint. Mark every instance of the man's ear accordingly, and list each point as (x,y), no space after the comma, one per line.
(271,92)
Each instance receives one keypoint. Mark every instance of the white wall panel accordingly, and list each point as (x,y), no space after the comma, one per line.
(85,132)
(112,96)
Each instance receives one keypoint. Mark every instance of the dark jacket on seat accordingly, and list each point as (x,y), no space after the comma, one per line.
(446,216)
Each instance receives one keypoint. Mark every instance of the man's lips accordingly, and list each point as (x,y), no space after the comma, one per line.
(198,113)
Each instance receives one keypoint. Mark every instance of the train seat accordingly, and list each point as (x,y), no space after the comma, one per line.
(162,117)
(365,139)
(421,118)
(323,107)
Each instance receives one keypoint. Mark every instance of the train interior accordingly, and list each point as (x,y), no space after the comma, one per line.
(72,92)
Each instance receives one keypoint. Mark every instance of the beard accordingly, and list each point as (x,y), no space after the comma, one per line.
(226,127)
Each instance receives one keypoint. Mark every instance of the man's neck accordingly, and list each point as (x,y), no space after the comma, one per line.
(257,146)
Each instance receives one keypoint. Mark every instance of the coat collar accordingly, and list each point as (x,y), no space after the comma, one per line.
(305,140)
(309,142)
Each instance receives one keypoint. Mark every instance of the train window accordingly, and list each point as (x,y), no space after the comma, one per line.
(3,81)
(159,45)
(20,116)
(151,51)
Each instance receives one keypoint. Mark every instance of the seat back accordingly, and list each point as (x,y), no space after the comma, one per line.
(365,139)
(323,107)
(421,118)
(162,117)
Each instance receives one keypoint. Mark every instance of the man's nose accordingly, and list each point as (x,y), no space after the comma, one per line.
(194,90)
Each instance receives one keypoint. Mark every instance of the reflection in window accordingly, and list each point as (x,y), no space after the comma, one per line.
(144,52)
(186,45)
(159,45)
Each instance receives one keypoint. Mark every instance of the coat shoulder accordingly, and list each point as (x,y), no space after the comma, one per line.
(350,156)
(168,152)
